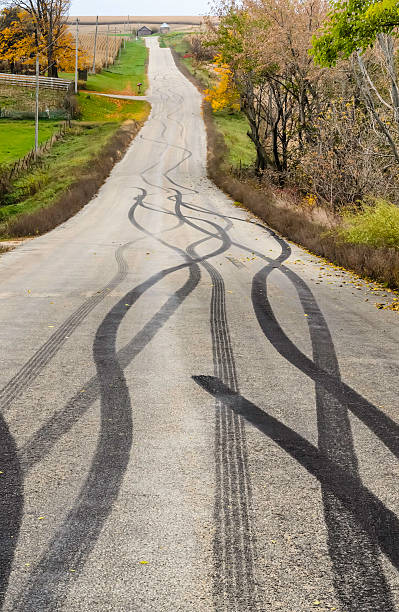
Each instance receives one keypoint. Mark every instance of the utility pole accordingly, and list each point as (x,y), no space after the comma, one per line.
(95,47)
(107,47)
(76,55)
(37,103)
(37,92)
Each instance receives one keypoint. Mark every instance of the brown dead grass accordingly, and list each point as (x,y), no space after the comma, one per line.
(295,223)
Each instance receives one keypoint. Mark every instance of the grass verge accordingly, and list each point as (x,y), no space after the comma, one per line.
(234,128)
(376,225)
(70,175)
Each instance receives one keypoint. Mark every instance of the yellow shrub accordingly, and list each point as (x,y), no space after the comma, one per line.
(224,94)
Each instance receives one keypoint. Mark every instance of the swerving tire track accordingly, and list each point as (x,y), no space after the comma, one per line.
(234,546)
(357,522)
(76,537)
(11,504)
(32,368)
(359,579)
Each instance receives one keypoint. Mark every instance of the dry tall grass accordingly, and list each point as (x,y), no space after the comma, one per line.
(381,264)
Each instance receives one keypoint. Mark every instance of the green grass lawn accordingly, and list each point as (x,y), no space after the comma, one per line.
(61,166)
(17,137)
(234,128)
(97,108)
(123,76)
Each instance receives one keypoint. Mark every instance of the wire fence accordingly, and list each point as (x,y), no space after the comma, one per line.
(53,114)
(30,81)
(12,171)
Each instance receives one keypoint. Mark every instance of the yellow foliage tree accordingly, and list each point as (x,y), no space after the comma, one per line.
(19,44)
(224,94)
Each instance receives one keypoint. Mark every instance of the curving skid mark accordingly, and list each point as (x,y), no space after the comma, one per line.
(234,545)
(32,368)
(385,428)
(358,574)
(72,537)
(11,504)
(77,536)
(11,478)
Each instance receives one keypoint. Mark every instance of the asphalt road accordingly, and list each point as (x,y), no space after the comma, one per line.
(196,414)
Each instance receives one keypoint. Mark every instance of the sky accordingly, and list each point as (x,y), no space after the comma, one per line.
(148,7)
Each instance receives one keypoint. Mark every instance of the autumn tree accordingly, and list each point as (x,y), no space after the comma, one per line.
(265,43)
(48,17)
(21,41)
(224,95)
(366,33)
(17,38)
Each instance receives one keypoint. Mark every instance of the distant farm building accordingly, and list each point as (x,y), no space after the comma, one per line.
(144,31)
(165,28)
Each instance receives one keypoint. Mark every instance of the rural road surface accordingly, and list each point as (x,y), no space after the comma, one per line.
(196,414)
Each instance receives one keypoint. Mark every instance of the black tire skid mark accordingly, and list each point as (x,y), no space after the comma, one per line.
(353,495)
(11,476)
(76,537)
(73,536)
(186,156)
(234,547)
(386,429)
(359,579)
(60,423)
(11,504)
(40,445)
(358,574)
(162,135)
(32,368)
